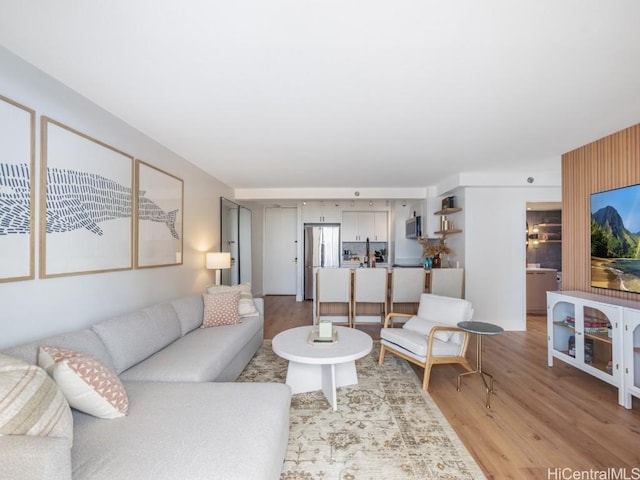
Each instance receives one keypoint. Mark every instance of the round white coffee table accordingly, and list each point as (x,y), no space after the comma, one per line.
(321,366)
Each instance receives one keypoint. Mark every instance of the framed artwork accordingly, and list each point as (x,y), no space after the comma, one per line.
(160,203)
(86,198)
(17,191)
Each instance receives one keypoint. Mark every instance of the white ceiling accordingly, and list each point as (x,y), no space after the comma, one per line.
(317,94)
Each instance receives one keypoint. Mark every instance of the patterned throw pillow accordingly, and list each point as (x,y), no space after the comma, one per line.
(86,382)
(246,307)
(220,309)
(31,403)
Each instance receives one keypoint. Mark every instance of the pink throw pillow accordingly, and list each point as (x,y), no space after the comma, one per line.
(86,382)
(221,309)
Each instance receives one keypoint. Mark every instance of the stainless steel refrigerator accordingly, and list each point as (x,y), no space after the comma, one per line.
(321,249)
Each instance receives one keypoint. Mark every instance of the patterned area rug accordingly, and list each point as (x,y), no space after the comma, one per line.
(385,428)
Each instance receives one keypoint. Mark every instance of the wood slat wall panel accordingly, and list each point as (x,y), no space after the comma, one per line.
(610,162)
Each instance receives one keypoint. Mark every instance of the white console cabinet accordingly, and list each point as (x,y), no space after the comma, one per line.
(631,346)
(586,331)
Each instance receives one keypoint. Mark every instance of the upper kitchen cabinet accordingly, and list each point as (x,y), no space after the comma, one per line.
(321,212)
(358,226)
(381,227)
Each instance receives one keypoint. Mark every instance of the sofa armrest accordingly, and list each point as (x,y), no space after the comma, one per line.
(35,458)
(259,305)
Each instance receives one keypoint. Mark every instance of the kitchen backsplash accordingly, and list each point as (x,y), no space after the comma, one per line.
(359,249)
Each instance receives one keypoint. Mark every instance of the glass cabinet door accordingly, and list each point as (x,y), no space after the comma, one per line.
(632,350)
(597,339)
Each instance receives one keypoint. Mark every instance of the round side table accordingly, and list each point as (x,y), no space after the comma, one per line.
(480,329)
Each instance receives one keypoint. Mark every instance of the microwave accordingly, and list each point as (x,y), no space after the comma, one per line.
(413,227)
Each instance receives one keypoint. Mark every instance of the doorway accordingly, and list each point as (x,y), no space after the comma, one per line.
(543,253)
(280,250)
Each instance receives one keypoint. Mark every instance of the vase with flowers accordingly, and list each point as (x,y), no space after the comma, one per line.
(434,248)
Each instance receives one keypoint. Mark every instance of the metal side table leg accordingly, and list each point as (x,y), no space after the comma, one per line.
(488,386)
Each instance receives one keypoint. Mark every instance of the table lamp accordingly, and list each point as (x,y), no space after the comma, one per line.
(217,261)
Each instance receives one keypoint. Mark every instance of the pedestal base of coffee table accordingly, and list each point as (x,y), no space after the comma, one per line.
(321,367)
(303,377)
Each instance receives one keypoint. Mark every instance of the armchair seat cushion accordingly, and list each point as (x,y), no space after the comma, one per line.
(417,344)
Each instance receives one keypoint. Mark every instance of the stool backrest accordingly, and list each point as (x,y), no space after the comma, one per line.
(407,284)
(448,282)
(333,285)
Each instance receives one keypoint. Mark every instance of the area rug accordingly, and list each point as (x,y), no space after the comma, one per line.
(385,427)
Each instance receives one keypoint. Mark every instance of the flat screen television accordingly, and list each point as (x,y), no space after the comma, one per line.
(615,239)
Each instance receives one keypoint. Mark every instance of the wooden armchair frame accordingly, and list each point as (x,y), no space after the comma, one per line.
(431,360)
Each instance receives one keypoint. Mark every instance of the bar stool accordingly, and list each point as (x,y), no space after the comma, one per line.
(407,284)
(370,294)
(447,282)
(333,290)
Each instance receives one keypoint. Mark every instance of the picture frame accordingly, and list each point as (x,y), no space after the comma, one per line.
(86,204)
(159,207)
(17,191)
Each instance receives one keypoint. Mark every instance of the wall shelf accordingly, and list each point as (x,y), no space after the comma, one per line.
(447,211)
(443,213)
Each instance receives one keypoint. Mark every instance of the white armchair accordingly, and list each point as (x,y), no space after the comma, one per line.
(431,337)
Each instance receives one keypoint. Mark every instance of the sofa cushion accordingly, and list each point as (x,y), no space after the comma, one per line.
(31,403)
(85,381)
(132,337)
(199,356)
(220,309)
(85,341)
(190,311)
(35,458)
(227,431)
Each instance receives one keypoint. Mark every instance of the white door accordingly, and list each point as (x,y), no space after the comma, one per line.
(280,251)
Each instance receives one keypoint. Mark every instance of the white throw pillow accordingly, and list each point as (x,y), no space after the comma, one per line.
(246,305)
(31,403)
(423,326)
(87,383)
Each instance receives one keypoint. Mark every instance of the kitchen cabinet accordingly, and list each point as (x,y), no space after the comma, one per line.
(380,227)
(321,212)
(358,226)
(585,331)
(539,282)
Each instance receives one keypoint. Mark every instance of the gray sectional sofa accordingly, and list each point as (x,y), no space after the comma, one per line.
(186,418)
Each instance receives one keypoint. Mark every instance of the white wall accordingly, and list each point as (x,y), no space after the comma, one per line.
(36,308)
(405,250)
(494,250)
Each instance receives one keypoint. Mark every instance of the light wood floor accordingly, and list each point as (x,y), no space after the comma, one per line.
(541,418)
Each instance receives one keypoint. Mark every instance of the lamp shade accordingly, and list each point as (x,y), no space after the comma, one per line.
(218,260)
